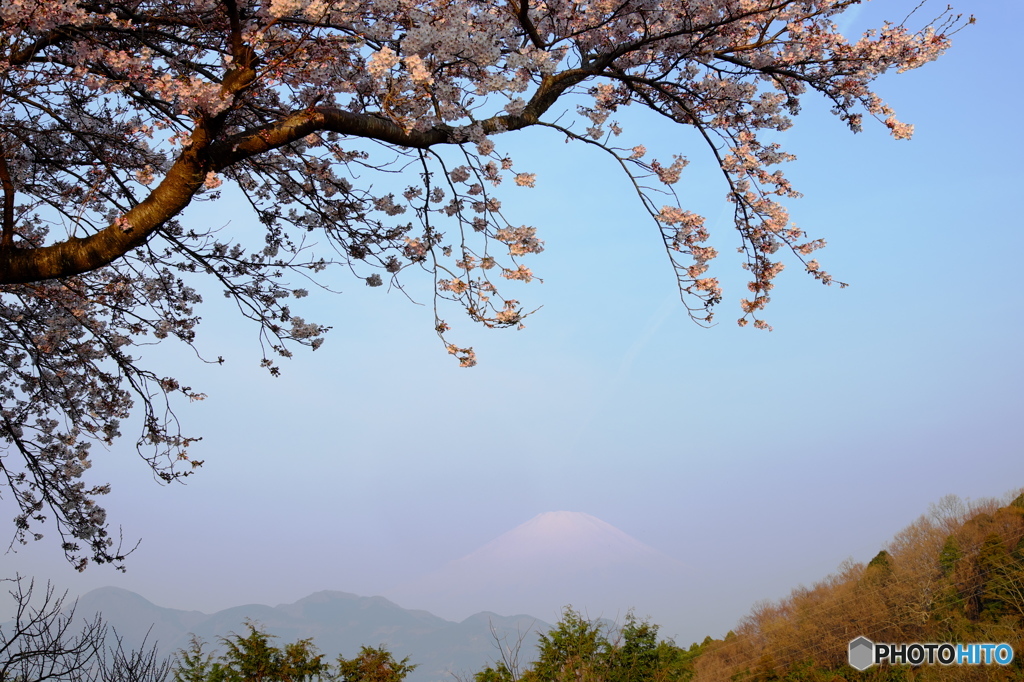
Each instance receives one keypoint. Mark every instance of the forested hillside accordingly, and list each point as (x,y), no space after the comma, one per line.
(954,575)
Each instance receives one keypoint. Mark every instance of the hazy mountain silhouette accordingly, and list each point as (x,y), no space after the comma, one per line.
(338,622)
(551,561)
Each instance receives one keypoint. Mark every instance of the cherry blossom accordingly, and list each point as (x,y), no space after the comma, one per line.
(115,116)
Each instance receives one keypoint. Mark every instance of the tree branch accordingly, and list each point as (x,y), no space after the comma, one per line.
(523,15)
(7,238)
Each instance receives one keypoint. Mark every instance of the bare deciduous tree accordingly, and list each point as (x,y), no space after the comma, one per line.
(45,641)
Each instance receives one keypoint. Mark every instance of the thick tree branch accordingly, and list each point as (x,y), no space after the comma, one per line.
(7,238)
(373,127)
(523,15)
(78,255)
(187,175)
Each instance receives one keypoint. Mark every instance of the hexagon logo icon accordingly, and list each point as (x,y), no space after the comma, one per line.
(861,654)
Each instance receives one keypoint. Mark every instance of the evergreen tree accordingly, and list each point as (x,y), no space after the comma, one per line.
(373,664)
(253,659)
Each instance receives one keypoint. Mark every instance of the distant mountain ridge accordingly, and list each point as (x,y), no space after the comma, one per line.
(338,623)
(555,559)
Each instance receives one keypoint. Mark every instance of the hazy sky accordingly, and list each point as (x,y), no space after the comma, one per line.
(762,460)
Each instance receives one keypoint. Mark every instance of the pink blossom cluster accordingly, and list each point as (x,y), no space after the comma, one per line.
(520,240)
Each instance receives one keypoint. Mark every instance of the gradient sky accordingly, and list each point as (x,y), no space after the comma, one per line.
(762,460)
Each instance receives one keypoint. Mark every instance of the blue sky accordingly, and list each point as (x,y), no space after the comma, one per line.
(762,460)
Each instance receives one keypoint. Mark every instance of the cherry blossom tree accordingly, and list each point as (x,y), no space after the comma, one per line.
(117,114)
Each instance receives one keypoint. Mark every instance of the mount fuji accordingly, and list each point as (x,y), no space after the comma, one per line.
(554,560)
